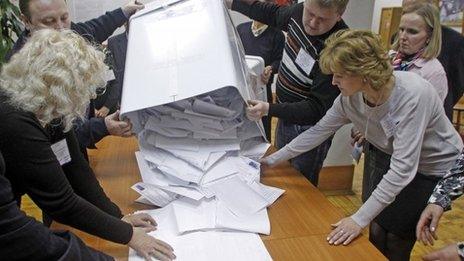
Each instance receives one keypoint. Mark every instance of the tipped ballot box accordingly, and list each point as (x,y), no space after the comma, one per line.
(185,90)
(183,49)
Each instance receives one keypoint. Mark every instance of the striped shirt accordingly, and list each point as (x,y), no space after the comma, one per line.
(294,84)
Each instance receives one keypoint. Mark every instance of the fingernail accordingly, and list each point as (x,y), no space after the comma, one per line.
(432,229)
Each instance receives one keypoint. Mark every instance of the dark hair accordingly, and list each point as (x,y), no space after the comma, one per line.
(24,8)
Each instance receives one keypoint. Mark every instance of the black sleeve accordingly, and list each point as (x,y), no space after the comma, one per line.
(39,174)
(458,74)
(112,97)
(90,131)
(313,108)
(99,29)
(22,237)
(277,50)
(116,85)
(267,13)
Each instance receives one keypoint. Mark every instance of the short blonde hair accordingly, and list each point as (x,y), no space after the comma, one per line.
(431,17)
(357,53)
(54,75)
(339,5)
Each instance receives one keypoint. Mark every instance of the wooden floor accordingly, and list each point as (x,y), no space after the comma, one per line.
(450,229)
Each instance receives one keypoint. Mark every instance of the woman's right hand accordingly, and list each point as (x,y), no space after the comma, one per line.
(147,246)
(427,225)
(256,110)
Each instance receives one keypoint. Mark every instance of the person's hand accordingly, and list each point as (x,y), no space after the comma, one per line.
(428,223)
(141,220)
(256,110)
(356,137)
(147,246)
(267,73)
(116,127)
(131,7)
(102,112)
(344,232)
(448,253)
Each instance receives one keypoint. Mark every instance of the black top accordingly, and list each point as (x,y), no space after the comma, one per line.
(299,102)
(118,47)
(452,59)
(23,238)
(70,193)
(269,44)
(91,130)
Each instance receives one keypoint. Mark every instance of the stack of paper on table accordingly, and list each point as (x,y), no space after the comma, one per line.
(205,245)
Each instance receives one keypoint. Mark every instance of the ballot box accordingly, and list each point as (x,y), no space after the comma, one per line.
(182,49)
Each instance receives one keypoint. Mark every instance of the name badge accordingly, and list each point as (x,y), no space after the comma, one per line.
(305,61)
(388,125)
(61,151)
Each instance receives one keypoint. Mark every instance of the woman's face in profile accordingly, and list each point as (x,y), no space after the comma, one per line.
(348,84)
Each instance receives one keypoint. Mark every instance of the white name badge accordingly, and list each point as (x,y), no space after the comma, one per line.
(388,125)
(61,151)
(109,75)
(305,61)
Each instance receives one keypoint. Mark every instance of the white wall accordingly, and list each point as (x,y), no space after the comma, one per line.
(358,14)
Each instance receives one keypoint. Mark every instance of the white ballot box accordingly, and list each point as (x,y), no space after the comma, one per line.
(183,49)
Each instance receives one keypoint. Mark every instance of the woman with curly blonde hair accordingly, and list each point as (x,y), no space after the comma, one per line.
(43,89)
(400,114)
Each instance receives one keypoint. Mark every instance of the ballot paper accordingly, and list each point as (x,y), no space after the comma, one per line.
(193,215)
(238,196)
(204,245)
(209,214)
(157,197)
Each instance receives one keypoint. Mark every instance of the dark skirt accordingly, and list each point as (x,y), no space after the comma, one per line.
(401,216)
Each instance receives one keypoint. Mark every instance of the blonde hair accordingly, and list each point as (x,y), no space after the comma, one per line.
(431,17)
(339,5)
(357,53)
(53,76)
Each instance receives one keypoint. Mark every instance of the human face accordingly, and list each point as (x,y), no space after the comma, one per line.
(52,14)
(348,84)
(413,33)
(318,20)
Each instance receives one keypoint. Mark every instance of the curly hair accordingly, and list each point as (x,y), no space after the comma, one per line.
(357,53)
(54,76)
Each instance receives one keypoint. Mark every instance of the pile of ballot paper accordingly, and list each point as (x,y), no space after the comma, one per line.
(199,155)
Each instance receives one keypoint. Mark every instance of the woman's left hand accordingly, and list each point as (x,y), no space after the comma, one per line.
(344,232)
(140,220)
